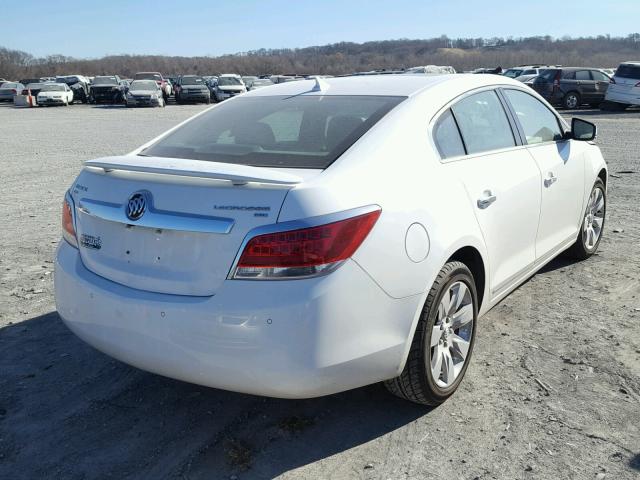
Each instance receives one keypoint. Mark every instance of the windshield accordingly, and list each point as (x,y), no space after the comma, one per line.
(148,76)
(8,85)
(628,71)
(52,88)
(513,73)
(105,81)
(224,81)
(143,85)
(192,81)
(290,132)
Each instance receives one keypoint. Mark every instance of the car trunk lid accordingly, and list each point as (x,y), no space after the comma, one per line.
(196,215)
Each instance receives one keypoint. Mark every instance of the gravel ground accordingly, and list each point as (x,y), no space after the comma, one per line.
(553,391)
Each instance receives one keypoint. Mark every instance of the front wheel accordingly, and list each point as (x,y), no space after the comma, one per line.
(592,224)
(443,340)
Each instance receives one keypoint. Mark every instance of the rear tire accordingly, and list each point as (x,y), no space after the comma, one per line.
(436,339)
(571,100)
(590,232)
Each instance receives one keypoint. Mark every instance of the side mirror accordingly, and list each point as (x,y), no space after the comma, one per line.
(583,130)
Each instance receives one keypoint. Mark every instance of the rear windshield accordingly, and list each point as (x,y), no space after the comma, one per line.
(229,81)
(148,76)
(628,71)
(192,81)
(512,73)
(105,81)
(52,88)
(278,131)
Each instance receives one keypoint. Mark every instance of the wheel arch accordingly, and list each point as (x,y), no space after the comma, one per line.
(472,258)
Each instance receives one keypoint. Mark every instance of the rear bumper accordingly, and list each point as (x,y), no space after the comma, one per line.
(289,339)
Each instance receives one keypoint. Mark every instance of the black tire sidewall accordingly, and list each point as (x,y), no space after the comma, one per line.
(430,313)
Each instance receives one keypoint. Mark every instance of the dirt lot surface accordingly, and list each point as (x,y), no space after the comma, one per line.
(553,391)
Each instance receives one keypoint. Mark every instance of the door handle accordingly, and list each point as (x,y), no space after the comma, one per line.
(550,180)
(487,199)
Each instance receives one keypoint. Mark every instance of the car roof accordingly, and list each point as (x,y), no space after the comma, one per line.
(631,62)
(382,85)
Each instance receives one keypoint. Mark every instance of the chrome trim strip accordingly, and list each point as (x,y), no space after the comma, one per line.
(296,225)
(158,219)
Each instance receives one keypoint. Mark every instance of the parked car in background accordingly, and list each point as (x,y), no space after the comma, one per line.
(55,94)
(624,90)
(107,89)
(79,84)
(159,79)
(33,88)
(609,71)
(3,80)
(431,69)
(305,265)
(248,80)
(27,81)
(192,88)
(144,93)
(227,86)
(570,87)
(260,83)
(9,89)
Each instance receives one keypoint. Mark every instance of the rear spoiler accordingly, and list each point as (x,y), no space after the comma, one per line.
(237,174)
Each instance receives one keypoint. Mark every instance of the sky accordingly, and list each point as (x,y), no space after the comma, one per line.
(94,28)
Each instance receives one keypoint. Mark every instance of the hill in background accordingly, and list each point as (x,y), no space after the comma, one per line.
(343,58)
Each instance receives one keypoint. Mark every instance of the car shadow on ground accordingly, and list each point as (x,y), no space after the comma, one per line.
(69,411)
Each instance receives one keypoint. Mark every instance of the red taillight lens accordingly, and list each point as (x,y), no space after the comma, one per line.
(304,252)
(25,92)
(68,229)
(14,91)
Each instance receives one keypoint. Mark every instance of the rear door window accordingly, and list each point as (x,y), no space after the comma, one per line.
(483,123)
(583,75)
(447,137)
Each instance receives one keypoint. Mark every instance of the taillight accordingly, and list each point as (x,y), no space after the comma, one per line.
(14,91)
(304,252)
(25,92)
(68,227)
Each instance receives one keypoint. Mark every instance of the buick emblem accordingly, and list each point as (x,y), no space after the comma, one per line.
(136,207)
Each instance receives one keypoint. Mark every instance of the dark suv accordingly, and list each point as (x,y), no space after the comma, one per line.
(572,87)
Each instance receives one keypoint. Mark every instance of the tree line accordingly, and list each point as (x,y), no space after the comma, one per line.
(345,57)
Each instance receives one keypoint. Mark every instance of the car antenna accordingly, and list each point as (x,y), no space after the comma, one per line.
(320,86)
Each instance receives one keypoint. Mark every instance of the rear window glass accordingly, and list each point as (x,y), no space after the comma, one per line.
(628,71)
(583,75)
(548,75)
(447,137)
(483,123)
(290,132)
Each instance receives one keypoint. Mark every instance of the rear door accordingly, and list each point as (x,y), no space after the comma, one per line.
(585,85)
(562,181)
(501,179)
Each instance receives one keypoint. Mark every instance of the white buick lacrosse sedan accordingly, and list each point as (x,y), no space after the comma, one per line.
(321,235)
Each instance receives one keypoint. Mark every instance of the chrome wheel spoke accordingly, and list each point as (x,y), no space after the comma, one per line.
(436,335)
(436,362)
(460,347)
(462,317)
(448,370)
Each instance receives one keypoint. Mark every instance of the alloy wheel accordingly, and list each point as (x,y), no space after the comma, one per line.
(451,334)
(593,219)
